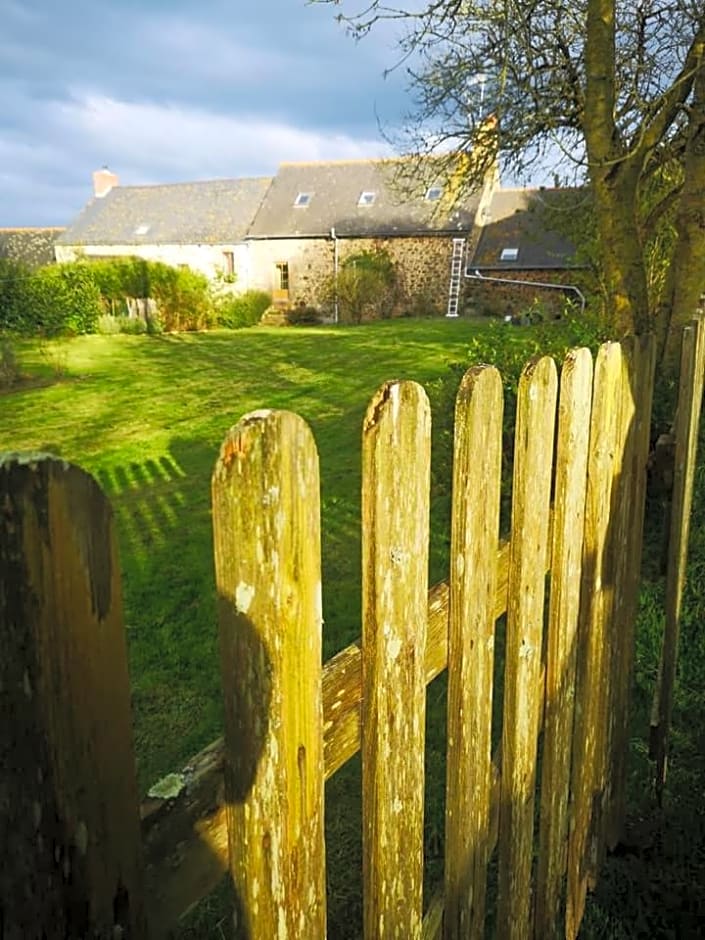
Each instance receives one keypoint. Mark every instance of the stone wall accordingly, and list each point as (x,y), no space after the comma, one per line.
(484,298)
(31,246)
(423,267)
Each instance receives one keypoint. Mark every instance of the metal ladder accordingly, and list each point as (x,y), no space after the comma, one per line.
(456,273)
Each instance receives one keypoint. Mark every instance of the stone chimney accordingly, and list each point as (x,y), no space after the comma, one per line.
(103,182)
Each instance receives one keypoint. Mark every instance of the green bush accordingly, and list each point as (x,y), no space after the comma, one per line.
(63,299)
(366,285)
(120,278)
(108,324)
(303,315)
(235,311)
(134,326)
(51,301)
(14,310)
(183,298)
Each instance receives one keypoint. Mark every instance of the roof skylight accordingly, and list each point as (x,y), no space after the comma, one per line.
(434,193)
(142,229)
(509,254)
(366,198)
(302,200)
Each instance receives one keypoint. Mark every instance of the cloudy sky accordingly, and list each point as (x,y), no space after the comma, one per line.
(176,90)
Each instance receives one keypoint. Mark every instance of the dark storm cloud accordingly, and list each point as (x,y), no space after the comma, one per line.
(165,91)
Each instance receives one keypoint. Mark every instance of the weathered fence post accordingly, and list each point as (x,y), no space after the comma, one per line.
(639,389)
(395,531)
(477,477)
(564,607)
(690,395)
(266,522)
(591,728)
(69,823)
(523,692)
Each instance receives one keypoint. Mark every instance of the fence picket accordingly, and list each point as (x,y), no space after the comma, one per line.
(69,822)
(395,530)
(627,529)
(533,457)
(690,393)
(477,469)
(266,522)
(564,606)
(597,600)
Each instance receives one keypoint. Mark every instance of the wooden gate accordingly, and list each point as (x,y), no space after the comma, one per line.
(75,848)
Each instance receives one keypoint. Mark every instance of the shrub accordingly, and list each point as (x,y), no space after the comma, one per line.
(14,310)
(108,324)
(366,285)
(303,315)
(181,296)
(63,299)
(235,311)
(10,371)
(133,326)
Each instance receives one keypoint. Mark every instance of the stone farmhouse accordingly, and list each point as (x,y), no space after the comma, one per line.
(200,225)
(315,215)
(285,235)
(290,234)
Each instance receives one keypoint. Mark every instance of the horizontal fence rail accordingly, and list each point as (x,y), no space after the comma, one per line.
(549,797)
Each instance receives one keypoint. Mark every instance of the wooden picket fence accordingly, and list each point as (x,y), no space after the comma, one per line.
(78,860)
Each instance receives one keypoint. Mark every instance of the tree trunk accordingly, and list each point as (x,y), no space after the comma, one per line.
(685,280)
(621,249)
(615,177)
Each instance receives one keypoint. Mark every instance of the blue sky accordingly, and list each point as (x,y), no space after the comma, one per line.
(168,90)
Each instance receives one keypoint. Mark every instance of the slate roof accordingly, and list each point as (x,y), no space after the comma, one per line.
(515,220)
(204,213)
(31,246)
(335,189)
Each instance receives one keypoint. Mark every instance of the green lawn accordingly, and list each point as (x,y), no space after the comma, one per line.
(146,416)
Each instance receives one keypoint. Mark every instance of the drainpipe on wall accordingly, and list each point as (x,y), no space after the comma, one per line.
(476,276)
(334,237)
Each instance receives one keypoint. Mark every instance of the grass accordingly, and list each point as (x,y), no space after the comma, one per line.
(146,416)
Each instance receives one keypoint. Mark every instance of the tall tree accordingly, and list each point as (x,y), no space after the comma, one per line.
(616,87)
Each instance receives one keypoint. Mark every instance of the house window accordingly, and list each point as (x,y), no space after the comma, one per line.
(366,199)
(509,254)
(434,193)
(142,229)
(228,263)
(283,275)
(302,200)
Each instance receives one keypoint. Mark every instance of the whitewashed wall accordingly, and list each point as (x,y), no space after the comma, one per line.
(207,259)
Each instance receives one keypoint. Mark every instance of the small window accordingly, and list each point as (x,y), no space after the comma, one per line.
(228,263)
(434,193)
(302,200)
(142,229)
(283,275)
(509,254)
(366,199)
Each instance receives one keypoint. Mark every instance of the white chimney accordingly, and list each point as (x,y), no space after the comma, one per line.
(103,182)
